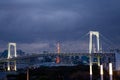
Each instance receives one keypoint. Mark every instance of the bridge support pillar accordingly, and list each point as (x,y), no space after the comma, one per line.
(15,66)
(110,71)
(98,60)
(8,66)
(90,67)
(101,71)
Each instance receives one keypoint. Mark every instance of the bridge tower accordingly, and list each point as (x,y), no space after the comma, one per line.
(90,42)
(91,34)
(9,55)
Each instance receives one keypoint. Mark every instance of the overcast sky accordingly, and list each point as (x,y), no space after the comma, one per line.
(37,25)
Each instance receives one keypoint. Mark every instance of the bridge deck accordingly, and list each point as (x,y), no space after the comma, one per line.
(56,54)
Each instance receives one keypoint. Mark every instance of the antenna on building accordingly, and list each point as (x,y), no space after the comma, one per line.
(58,52)
(58,48)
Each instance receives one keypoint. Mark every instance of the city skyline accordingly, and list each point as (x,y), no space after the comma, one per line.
(39,25)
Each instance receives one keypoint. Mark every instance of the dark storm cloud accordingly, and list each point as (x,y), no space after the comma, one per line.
(31,21)
(36,21)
